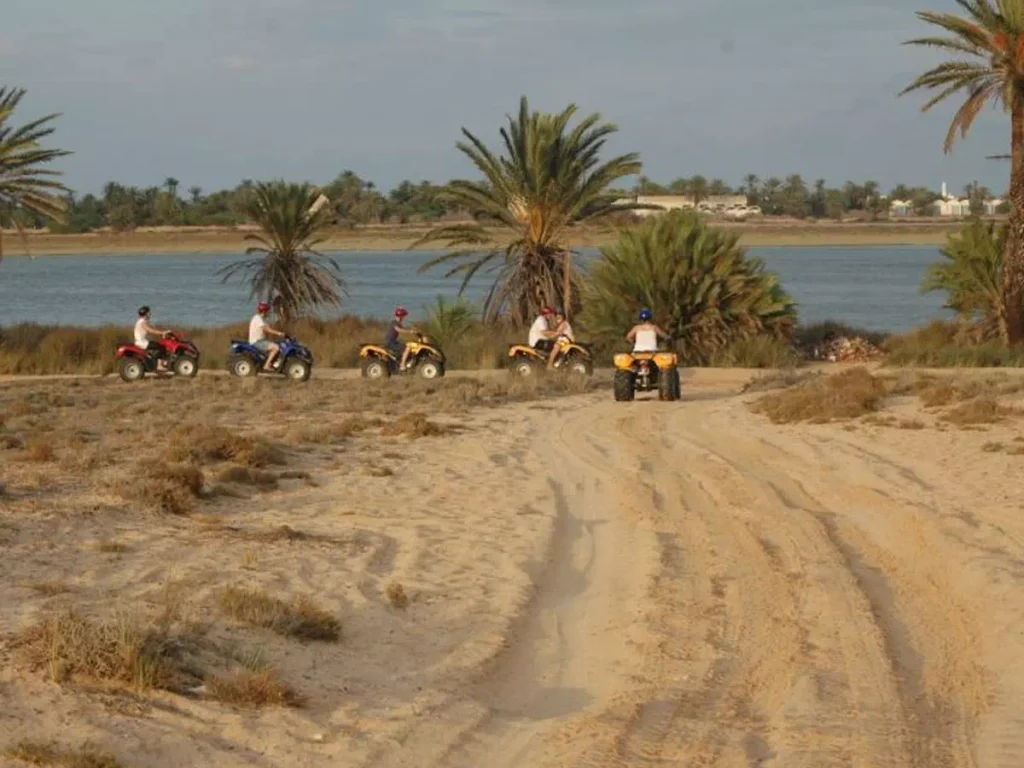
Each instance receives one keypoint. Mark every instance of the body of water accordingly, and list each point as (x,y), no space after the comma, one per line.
(875,287)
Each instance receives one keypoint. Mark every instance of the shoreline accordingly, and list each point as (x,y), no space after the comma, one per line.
(205,240)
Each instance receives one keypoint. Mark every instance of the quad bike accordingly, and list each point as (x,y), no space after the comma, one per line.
(573,357)
(181,356)
(294,360)
(646,372)
(425,359)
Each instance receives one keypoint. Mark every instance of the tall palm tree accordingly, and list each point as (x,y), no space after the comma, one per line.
(989,44)
(549,179)
(288,268)
(26,184)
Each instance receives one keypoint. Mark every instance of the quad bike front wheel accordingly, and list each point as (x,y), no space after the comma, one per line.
(668,387)
(580,366)
(375,368)
(524,368)
(242,366)
(624,386)
(131,369)
(298,370)
(431,369)
(186,367)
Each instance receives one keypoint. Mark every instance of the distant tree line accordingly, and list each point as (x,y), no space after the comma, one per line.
(356,201)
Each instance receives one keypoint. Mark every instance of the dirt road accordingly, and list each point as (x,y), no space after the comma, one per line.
(721,591)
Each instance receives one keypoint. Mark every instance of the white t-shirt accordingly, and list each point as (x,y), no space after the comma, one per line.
(646,340)
(256,326)
(141,338)
(537,330)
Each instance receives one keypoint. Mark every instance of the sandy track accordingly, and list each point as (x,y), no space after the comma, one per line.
(720,591)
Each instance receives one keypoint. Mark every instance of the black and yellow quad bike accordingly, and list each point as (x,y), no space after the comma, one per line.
(646,372)
(573,357)
(425,360)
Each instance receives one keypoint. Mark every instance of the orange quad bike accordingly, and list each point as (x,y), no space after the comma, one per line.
(573,357)
(646,372)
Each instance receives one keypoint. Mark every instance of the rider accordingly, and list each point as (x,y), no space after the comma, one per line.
(393,337)
(645,334)
(259,329)
(540,337)
(143,330)
(562,331)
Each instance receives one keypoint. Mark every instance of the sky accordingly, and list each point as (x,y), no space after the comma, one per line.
(214,91)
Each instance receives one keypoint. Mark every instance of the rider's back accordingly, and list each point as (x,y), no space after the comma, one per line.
(646,340)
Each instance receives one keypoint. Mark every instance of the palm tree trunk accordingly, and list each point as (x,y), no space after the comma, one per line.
(1013,259)
(567,285)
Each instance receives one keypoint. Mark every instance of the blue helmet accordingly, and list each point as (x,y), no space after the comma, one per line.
(645,315)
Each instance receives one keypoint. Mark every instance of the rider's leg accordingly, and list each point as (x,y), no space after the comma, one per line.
(272,351)
(405,357)
(553,356)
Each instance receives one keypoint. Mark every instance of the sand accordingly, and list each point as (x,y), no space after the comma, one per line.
(191,240)
(590,584)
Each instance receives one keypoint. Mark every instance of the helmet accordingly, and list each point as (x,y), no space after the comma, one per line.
(547,311)
(262,307)
(401,312)
(143,311)
(645,315)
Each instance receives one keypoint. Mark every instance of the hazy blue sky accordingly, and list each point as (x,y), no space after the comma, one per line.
(212,91)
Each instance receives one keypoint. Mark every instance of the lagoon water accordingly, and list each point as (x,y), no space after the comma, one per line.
(874,287)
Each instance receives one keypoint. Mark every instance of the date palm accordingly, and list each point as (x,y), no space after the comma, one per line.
(549,179)
(288,269)
(26,183)
(989,44)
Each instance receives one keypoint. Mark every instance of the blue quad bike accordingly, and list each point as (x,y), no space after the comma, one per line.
(295,361)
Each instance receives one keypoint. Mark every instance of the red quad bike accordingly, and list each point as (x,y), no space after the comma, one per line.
(181,356)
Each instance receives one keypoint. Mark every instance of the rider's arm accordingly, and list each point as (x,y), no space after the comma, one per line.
(155,331)
(663,333)
(631,336)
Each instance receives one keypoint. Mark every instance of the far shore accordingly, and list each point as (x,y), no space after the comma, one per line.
(195,240)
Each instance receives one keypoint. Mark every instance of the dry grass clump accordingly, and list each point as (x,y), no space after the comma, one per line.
(121,652)
(254,690)
(328,434)
(396,596)
(845,395)
(167,488)
(782,379)
(9,442)
(993,447)
(983,410)
(935,393)
(246,476)
(36,753)
(416,425)
(51,588)
(40,450)
(205,444)
(301,619)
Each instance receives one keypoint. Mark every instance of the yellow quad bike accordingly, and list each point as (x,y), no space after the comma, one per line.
(646,372)
(573,357)
(425,360)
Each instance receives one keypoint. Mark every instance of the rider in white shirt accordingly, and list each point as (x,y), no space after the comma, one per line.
(644,336)
(540,332)
(259,329)
(143,330)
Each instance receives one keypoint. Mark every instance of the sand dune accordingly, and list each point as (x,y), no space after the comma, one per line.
(591,584)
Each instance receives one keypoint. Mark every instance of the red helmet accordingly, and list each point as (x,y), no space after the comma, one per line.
(547,311)
(400,312)
(262,307)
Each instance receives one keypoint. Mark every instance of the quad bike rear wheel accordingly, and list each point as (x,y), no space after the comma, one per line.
(298,370)
(375,368)
(186,367)
(431,369)
(132,369)
(624,386)
(242,366)
(668,387)
(579,365)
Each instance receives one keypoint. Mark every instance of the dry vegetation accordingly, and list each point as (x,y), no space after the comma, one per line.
(98,475)
(38,753)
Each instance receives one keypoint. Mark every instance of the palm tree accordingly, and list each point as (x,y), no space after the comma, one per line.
(701,285)
(289,269)
(549,179)
(989,68)
(26,184)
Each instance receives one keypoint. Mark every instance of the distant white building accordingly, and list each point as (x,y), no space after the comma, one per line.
(901,207)
(732,205)
(960,207)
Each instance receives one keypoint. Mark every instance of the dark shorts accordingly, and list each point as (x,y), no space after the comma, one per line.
(396,348)
(544,345)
